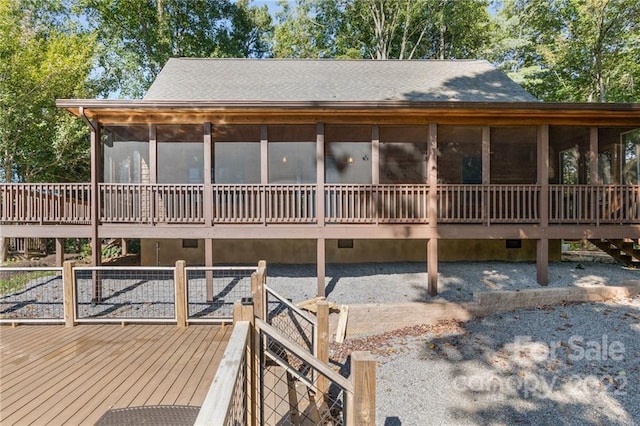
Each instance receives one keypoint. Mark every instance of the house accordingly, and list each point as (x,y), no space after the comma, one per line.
(317,161)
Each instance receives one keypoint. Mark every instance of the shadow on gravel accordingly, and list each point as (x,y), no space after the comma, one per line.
(571,364)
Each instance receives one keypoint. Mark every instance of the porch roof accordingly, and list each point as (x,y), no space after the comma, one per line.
(109,111)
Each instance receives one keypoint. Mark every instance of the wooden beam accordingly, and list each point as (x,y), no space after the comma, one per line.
(593,156)
(208,262)
(322,350)
(542,261)
(68,291)
(264,155)
(543,173)
(59,251)
(207,198)
(486,155)
(180,276)
(320,266)
(375,155)
(320,173)
(432,175)
(432,267)
(363,377)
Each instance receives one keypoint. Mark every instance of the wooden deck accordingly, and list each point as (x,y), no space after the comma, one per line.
(55,375)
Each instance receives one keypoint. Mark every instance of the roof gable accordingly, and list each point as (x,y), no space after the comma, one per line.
(272,80)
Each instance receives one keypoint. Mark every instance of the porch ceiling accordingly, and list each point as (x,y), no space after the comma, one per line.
(374,112)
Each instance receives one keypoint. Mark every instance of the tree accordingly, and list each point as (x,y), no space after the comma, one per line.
(41,61)
(384,29)
(137,37)
(572,50)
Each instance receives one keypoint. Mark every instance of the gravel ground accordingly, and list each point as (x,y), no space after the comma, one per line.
(406,282)
(572,365)
(566,365)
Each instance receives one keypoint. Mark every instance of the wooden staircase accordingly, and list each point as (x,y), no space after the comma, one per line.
(622,250)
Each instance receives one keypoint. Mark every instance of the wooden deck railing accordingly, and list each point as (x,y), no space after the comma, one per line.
(45,203)
(376,203)
(297,203)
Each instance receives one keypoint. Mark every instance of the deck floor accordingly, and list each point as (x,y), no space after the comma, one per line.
(55,375)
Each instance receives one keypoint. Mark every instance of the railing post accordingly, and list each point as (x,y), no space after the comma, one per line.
(259,311)
(363,377)
(180,278)
(68,292)
(322,344)
(244,311)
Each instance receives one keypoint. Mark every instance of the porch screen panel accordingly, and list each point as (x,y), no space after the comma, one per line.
(460,161)
(513,195)
(180,154)
(348,154)
(126,154)
(460,196)
(403,154)
(236,154)
(292,154)
(291,196)
(178,197)
(126,170)
(514,155)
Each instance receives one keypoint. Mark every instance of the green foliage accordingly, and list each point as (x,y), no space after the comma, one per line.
(386,29)
(13,282)
(38,64)
(137,37)
(572,50)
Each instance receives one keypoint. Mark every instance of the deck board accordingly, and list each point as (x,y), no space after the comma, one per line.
(57,375)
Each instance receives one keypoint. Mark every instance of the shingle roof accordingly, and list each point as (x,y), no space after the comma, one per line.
(272,80)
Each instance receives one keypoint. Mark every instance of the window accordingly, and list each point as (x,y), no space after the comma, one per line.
(236,154)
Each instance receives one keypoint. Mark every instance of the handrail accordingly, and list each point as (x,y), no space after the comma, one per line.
(145,203)
(218,403)
(305,356)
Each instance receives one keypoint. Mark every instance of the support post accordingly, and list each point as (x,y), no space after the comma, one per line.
(432,175)
(320,266)
(96,246)
(181,294)
(542,245)
(363,377)
(59,252)
(245,312)
(320,174)
(68,291)
(542,261)
(486,173)
(432,267)
(593,156)
(322,346)
(208,262)
(207,198)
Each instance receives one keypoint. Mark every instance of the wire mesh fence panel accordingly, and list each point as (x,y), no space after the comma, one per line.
(237,413)
(212,291)
(125,293)
(31,293)
(289,394)
(297,325)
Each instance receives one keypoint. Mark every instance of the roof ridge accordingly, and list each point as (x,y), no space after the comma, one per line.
(186,58)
